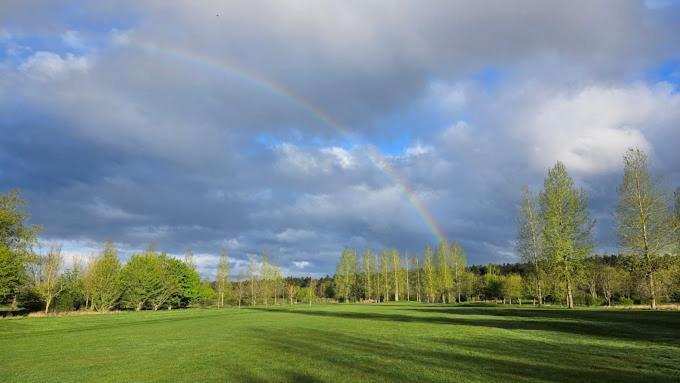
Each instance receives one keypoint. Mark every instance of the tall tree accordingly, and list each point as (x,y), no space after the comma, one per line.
(222,278)
(396,270)
(416,268)
(252,274)
(103,279)
(645,225)
(368,269)
(266,277)
(16,245)
(566,227)
(443,256)
(428,271)
(459,262)
(239,285)
(140,280)
(677,219)
(529,237)
(407,285)
(346,272)
(50,283)
(385,275)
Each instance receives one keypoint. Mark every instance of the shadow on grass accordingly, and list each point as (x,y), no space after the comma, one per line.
(436,360)
(644,326)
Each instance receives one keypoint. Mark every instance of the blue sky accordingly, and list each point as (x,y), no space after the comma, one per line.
(130,122)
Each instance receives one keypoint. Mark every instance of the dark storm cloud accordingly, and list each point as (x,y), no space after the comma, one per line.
(109,137)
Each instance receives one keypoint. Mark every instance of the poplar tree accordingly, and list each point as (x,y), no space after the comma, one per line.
(189,258)
(459,262)
(222,277)
(396,270)
(529,245)
(368,269)
(266,277)
(239,285)
(252,274)
(408,286)
(416,267)
(385,275)
(677,219)
(646,227)
(428,271)
(444,271)
(346,272)
(566,227)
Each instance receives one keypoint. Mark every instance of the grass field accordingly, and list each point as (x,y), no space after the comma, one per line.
(345,343)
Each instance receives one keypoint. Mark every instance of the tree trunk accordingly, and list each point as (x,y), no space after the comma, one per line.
(48,301)
(652,292)
(570,298)
(14,302)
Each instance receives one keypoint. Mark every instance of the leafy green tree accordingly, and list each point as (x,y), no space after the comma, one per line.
(385,275)
(346,273)
(165,269)
(16,246)
(141,280)
(444,282)
(459,261)
(103,279)
(529,239)
(252,275)
(396,271)
(646,227)
(188,283)
(50,283)
(429,274)
(72,296)
(418,283)
(222,278)
(566,227)
(368,270)
(512,288)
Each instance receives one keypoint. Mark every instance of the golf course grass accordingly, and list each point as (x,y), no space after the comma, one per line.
(346,343)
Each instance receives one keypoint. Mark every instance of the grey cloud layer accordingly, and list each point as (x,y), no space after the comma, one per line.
(135,144)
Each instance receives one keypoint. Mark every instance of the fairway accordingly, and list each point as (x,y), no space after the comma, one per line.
(345,343)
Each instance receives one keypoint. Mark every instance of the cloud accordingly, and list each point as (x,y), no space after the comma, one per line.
(51,66)
(219,136)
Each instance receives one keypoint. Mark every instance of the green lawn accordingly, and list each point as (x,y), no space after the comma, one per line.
(345,343)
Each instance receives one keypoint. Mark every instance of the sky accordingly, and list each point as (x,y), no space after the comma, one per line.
(301,127)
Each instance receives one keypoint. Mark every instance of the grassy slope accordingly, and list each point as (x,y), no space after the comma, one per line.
(395,342)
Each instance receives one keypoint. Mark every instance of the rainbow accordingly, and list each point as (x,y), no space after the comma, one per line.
(246,75)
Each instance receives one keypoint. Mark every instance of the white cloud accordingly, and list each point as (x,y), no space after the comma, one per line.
(301,264)
(589,129)
(50,66)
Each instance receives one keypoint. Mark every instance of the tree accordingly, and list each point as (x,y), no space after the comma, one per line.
(311,291)
(222,278)
(646,227)
(428,271)
(50,284)
(512,288)
(416,267)
(396,270)
(103,279)
(529,238)
(385,275)
(252,274)
(346,272)
(140,280)
(239,286)
(459,262)
(444,271)
(266,276)
(170,285)
(407,286)
(16,245)
(611,281)
(566,227)
(368,269)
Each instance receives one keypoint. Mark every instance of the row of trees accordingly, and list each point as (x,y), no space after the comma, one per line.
(555,228)
(439,276)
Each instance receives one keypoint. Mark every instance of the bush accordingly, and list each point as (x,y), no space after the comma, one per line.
(625,301)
